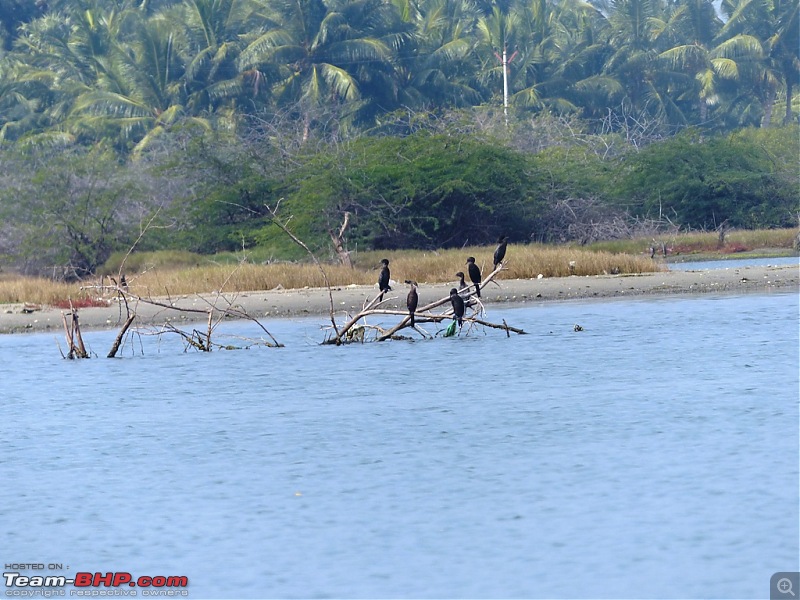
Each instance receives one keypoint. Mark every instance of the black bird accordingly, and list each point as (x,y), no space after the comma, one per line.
(463,288)
(383,278)
(412,300)
(458,306)
(500,251)
(462,285)
(474,274)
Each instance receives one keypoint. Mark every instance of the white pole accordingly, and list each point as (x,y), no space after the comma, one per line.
(505,83)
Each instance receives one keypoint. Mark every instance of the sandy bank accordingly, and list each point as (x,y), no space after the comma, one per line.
(287,303)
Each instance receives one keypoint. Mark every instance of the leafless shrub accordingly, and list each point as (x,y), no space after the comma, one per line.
(590,219)
(636,129)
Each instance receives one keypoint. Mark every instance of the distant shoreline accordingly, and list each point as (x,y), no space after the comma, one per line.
(265,305)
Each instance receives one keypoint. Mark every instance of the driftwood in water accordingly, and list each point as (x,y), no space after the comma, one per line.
(353,331)
(72,330)
(121,335)
(214,313)
(129,302)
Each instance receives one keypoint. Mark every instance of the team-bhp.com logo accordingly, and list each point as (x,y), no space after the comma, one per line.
(94,584)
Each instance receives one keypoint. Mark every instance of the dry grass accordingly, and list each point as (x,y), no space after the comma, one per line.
(691,243)
(522,262)
(424,267)
(763,238)
(36,290)
(735,241)
(164,274)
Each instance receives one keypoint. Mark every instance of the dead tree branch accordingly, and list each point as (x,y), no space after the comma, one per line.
(121,335)
(338,242)
(75,345)
(213,312)
(274,218)
(355,328)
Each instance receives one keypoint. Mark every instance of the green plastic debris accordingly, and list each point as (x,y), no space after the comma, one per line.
(450,331)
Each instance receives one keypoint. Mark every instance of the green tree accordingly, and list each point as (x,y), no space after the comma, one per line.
(437,66)
(14,13)
(421,191)
(213,35)
(702,182)
(315,54)
(633,63)
(774,23)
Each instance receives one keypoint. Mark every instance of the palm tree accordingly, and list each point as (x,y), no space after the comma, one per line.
(20,102)
(557,49)
(41,76)
(577,55)
(774,23)
(213,33)
(131,96)
(315,54)
(438,66)
(783,49)
(633,61)
(14,13)
(700,66)
(498,31)
(134,88)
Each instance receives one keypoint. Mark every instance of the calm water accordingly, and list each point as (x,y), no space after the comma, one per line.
(652,455)
(732,263)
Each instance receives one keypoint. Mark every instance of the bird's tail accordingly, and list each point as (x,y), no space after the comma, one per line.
(478,290)
(412,319)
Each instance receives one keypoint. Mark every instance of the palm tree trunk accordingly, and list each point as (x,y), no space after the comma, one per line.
(788,116)
(768,104)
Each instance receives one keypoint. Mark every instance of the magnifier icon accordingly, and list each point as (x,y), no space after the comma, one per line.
(784,586)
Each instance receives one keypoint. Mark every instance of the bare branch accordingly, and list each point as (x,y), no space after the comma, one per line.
(274,218)
(113,352)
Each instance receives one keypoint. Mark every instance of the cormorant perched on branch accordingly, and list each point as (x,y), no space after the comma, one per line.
(500,251)
(474,274)
(462,285)
(412,300)
(458,306)
(383,278)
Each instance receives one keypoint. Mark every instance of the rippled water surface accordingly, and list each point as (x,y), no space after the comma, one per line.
(653,454)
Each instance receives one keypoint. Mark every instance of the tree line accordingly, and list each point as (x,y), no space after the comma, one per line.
(180,124)
(464,178)
(130,71)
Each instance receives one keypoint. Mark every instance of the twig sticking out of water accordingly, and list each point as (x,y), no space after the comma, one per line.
(72,329)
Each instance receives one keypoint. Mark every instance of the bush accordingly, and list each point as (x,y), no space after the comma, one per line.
(701,183)
(421,191)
